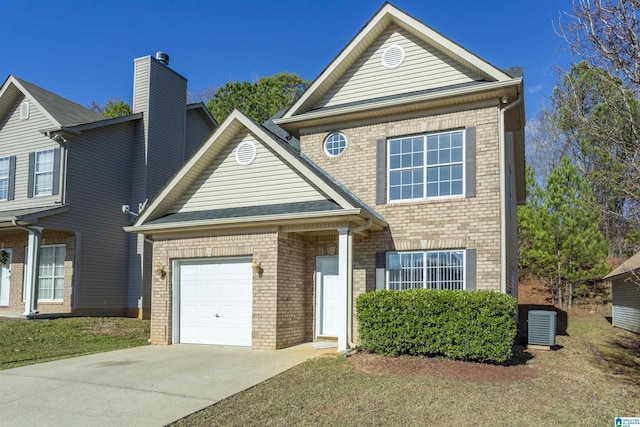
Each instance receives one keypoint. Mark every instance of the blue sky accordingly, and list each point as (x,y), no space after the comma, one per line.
(84,50)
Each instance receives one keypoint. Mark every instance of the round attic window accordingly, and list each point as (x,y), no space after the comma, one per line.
(246,153)
(393,56)
(335,144)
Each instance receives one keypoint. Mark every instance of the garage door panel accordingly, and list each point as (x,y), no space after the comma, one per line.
(217,287)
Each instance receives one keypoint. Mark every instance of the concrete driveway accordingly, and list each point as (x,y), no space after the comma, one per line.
(143,386)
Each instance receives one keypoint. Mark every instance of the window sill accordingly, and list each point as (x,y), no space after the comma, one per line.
(429,200)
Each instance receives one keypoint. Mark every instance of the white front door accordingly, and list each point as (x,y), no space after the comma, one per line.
(327,301)
(215,301)
(5,280)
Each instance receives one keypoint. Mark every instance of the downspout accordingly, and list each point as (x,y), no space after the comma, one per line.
(503,209)
(350,342)
(32,301)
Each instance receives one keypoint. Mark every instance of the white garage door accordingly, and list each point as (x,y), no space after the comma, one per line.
(215,302)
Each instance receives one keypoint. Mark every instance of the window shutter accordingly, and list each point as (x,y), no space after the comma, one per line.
(55,189)
(381,171)
(32,166)
(11,191)
(381,261)
(470,162)
(470,267)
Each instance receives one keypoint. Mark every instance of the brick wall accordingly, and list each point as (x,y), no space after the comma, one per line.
(264,249)
(17,242)
(293,304)
(439,224)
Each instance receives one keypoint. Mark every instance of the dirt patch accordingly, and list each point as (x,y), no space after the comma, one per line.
(442,368)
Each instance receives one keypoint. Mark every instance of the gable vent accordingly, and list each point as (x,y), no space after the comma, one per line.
(246,153)
(393,56)
(24,111)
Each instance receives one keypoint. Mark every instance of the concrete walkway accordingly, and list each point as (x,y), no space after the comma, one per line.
(143,386)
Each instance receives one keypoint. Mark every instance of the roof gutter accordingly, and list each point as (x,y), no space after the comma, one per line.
(503,201)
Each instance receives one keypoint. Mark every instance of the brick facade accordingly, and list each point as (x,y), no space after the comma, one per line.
(17,242)
(456,223)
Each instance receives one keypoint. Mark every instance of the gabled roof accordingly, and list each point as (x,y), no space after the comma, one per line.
(202,108)
(626,268)
(390,15)
(339,199)
(59,110)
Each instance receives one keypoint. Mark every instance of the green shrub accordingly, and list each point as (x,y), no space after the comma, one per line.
(463,325)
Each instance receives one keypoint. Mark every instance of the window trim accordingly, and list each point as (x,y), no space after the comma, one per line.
(462,163)
(324,144)
(36,173)
(465,267)
(8,178)
(53,277)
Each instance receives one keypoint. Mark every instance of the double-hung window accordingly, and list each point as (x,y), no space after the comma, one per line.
(43,173)
(426,270)
(51,273)
(426,166)
(4,178)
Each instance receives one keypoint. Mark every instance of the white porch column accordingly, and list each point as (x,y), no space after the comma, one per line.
(31,272)
(344,254)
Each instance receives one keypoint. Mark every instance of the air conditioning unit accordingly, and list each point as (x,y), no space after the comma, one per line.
(542,329)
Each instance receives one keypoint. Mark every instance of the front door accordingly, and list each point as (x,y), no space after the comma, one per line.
(327,286)
(5,277)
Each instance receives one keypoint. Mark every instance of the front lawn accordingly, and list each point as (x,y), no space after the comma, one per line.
(25,342)
(593,378)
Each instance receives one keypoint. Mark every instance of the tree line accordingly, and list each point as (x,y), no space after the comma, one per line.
(583,154)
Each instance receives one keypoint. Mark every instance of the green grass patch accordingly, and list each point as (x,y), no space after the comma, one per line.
(25,342)
(591,380)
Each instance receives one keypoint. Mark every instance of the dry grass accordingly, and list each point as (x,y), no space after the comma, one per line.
(591,379)
(25,342)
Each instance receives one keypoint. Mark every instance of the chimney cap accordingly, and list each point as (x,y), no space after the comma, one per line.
(162,58)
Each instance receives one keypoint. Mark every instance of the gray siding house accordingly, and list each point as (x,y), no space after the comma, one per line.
(625,295)
(65,174)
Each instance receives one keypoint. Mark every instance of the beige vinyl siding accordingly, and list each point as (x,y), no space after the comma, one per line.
(227,184)
(19,138)
(424,67)
(198,130)
(99,167)
(626,304)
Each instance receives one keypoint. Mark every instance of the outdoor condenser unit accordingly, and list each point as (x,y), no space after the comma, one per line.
(542,328)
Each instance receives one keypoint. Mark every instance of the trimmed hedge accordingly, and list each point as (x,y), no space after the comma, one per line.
(462,325)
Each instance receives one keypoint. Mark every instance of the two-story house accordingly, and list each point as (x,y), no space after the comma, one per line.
(400,167)
(65,174)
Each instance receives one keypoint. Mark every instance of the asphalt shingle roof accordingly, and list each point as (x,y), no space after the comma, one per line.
(66,112)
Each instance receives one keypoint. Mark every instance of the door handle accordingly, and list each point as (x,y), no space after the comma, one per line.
(217,315)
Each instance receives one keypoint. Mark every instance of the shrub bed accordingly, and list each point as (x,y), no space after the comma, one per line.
(462,325)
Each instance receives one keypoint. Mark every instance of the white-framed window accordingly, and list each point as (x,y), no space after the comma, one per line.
(5,171)
(426,166)
(335,144)
(51,273)
(43,173)
(426,270)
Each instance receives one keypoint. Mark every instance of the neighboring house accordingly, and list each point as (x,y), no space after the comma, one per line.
(65,174)
(399,167)
(625,295)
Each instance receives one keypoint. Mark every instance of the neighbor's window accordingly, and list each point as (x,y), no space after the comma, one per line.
(426,270)
(4,178)
(426,166)
(335,144)
(51,273)
(43,173)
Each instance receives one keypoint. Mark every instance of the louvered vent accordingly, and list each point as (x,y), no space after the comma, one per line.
(393,56)
(246,153)
(542,327)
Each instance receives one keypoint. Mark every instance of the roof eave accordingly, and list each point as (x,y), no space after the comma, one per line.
(408,103)
(263,220)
